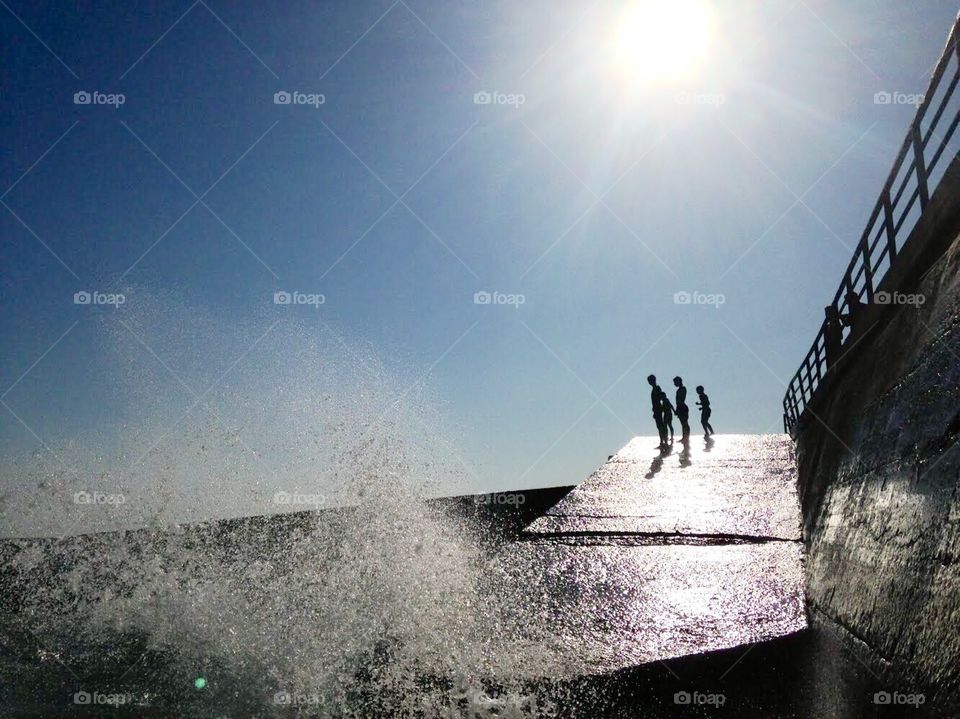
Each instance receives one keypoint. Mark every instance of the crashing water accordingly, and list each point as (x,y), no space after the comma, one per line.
(391,606)
(330,584)
(383,606)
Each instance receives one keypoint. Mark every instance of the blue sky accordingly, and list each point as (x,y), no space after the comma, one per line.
(399,198)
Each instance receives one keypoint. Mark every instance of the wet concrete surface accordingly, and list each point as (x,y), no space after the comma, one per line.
(659,555)
(602,607)
(880,475)
(733,486)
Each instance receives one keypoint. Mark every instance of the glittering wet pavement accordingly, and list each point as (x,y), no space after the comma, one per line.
(636,565)
(739,485)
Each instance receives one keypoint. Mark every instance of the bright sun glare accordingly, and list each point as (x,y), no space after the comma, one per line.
(660,41)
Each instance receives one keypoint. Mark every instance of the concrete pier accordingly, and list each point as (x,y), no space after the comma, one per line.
(659,555)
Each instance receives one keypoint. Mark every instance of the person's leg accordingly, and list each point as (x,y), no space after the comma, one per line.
(670,427)
(706,421)
(661,430)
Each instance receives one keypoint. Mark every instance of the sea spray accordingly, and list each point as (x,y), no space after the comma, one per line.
(384,605)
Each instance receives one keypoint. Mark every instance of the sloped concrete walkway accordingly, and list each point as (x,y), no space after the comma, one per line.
(660,555)
(735,486)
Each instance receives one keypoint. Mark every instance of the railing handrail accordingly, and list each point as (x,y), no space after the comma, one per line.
(806,380)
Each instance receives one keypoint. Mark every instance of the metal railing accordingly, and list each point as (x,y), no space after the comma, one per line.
(915,175)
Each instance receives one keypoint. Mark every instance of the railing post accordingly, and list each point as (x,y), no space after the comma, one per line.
(888,223)
(920,165)
(867,269)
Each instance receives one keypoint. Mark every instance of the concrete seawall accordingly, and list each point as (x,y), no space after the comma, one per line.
(878,476)
(499,516)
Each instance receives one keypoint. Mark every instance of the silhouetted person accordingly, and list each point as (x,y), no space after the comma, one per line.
(657,406)
(832,335)
(667,414)
(854,310)
(704,405)
(681,408)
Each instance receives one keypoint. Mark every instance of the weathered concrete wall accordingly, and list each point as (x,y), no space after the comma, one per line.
(878,472)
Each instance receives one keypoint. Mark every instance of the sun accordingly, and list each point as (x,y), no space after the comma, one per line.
(662,41)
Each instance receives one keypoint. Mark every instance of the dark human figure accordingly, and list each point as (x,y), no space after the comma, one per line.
(667,414)
(682,410)
(832,335)
(854,308)
(704,405)
(657,406)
